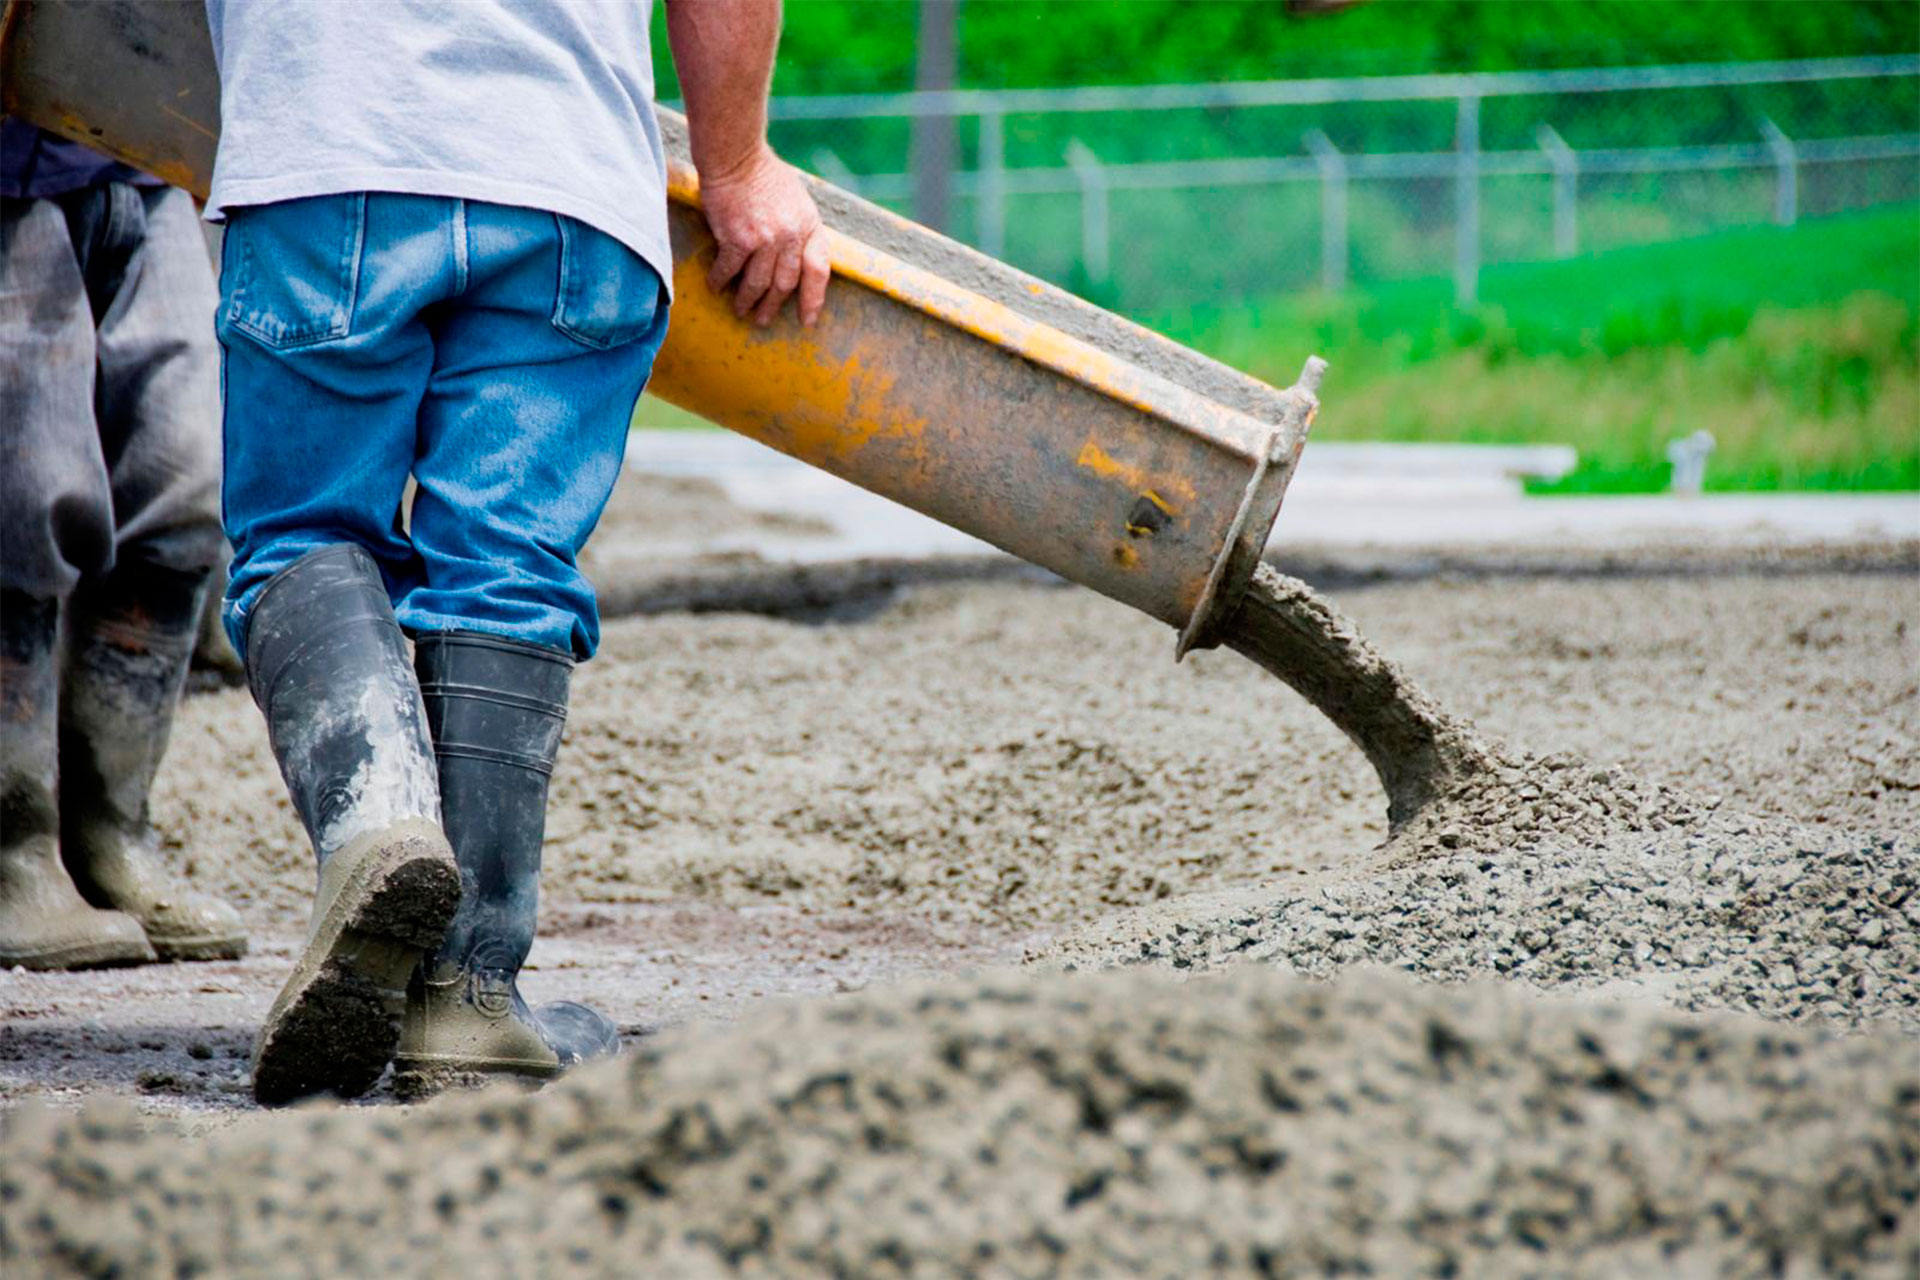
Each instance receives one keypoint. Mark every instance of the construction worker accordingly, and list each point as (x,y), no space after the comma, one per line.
(447,258)
(109,527)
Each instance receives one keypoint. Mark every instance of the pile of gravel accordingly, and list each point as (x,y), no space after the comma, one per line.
(1792,922)
(1450,788)
(1515,803)
(1125,1121)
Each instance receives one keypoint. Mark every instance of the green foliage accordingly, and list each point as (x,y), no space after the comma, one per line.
(1796,348)
(853,46)
(1239,241)
(863,46)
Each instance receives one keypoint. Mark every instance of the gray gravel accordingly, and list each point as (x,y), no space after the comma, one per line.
(992,758)
(1795,923)
(1088,1125)
(1006,756)
(1515,803)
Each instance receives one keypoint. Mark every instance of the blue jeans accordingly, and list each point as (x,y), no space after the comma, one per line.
(493,353)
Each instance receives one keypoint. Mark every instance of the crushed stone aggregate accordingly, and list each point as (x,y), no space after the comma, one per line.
(1650,1005)
(1252,1123)
(1739,914)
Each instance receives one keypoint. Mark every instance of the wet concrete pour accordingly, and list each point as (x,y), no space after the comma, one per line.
(752,805)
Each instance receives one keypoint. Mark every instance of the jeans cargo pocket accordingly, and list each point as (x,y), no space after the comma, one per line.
(608,296)
(291,270)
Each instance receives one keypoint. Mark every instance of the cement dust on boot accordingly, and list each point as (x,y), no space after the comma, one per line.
(328,667)
(496,708)
(383,902)
(128,644)
(470,1027)
(125,871)
(465,1031)
(46,924)
(44,921)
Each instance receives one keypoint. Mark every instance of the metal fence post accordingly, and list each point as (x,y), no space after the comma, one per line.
(1333,209)
(1566,190)
(1094,237)
(931,148)
(992,198)
(1786,159)
(1467,161)
(1466,202)
(831,167)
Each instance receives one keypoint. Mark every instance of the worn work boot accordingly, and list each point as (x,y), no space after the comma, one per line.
(212,651)
(44,922)
(328,666)
(497,708)
(129,638)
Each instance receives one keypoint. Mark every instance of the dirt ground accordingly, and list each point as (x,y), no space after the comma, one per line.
(1011,778)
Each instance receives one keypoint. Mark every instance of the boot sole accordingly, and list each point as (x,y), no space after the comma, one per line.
(417,1080)
(208,947)
(85,955)
(336,1023)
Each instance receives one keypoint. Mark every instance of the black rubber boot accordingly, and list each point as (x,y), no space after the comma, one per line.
(44,922)
(130,635)
(497,708)
(212,651)
(328,666)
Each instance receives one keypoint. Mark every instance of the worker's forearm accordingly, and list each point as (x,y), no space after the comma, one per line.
(768,239)
(723,50)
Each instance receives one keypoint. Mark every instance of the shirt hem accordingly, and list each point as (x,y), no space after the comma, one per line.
(650,243)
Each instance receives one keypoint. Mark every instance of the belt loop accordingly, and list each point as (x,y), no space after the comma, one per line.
(459,245)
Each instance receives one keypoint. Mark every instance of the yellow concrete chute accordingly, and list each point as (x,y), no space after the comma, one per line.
(937,376)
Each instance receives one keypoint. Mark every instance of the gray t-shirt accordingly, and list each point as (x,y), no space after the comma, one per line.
(546,104)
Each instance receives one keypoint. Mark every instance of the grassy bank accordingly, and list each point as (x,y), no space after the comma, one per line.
(1796,347)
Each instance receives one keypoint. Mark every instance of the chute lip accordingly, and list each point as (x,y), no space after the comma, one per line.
(1288,435)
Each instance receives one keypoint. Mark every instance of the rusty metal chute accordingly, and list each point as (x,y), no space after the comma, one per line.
(937,376)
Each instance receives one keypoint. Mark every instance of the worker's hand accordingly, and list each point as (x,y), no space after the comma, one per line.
(771,238)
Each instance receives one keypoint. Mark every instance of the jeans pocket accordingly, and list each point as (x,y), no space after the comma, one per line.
(292,269)
(608,296)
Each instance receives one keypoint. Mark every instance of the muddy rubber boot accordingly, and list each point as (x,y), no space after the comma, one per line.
(328,666)
(212,651)
(496,708)
(129,638)
(44,922)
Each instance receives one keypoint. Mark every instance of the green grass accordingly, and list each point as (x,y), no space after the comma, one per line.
(1796,347)
(655,415)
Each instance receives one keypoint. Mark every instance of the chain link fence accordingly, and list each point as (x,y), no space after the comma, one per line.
(1163,196)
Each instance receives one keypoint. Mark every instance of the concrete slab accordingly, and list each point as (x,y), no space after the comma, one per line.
(1396,511)
(1346,496)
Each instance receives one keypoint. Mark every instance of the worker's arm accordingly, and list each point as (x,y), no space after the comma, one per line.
(769,231)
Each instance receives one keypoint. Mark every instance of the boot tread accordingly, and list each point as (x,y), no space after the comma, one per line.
(336,1023)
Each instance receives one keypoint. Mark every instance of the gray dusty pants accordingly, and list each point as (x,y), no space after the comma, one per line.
(109,388)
